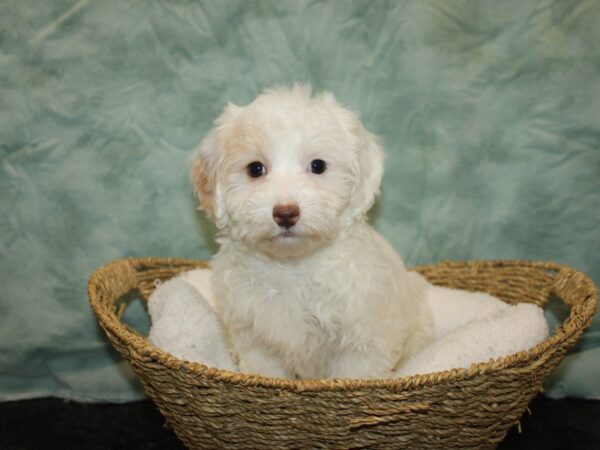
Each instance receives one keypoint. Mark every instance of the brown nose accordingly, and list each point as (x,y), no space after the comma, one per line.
(286,215)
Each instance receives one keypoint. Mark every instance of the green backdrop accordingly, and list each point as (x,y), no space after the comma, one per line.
(489,112)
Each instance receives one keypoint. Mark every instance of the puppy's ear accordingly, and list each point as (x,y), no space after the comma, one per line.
(203,173)
(370,170)
(368,167)
(205,169)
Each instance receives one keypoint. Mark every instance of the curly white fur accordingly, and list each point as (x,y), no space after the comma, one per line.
(326,296)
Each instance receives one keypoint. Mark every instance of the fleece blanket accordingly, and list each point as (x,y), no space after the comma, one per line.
(468,327)
(488,112)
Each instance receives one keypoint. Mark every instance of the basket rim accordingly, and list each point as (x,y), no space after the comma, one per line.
(579,318)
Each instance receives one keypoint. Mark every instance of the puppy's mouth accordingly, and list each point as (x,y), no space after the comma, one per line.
(292,236)
(287,234)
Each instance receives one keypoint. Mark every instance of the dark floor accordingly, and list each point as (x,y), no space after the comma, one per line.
(54,424)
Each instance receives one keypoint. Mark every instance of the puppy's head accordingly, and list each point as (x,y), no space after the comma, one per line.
(288,172)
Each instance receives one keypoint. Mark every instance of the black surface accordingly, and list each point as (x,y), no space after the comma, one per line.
(55,424)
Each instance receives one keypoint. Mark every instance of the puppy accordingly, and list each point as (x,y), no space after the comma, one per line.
(303,285)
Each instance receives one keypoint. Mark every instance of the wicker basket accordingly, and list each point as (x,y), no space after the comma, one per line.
(474,408)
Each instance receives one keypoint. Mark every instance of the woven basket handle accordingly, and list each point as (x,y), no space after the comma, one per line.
(107,284)
(575,288)
(152,271)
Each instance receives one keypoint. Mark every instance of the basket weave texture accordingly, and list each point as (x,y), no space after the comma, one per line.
(460,408)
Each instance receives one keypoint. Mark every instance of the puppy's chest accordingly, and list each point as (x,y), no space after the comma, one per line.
(314,306)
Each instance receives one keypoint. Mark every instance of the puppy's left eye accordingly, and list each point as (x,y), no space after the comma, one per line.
(256,169)
(318,166)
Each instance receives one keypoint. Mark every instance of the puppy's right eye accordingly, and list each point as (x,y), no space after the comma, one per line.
(256,169)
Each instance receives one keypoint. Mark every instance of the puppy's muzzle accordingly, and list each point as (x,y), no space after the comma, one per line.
(286,216)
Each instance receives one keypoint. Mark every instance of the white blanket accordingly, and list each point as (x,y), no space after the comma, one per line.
(470,327)
(184,324)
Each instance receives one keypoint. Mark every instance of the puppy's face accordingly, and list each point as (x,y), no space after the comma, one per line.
(287,173)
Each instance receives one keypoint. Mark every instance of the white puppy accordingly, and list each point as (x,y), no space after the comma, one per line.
(304,286)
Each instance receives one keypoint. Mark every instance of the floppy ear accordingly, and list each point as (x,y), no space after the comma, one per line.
(368,167)
(205,169)
(203,173)
(370,170)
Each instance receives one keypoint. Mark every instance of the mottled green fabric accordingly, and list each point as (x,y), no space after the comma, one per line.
(489,111)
